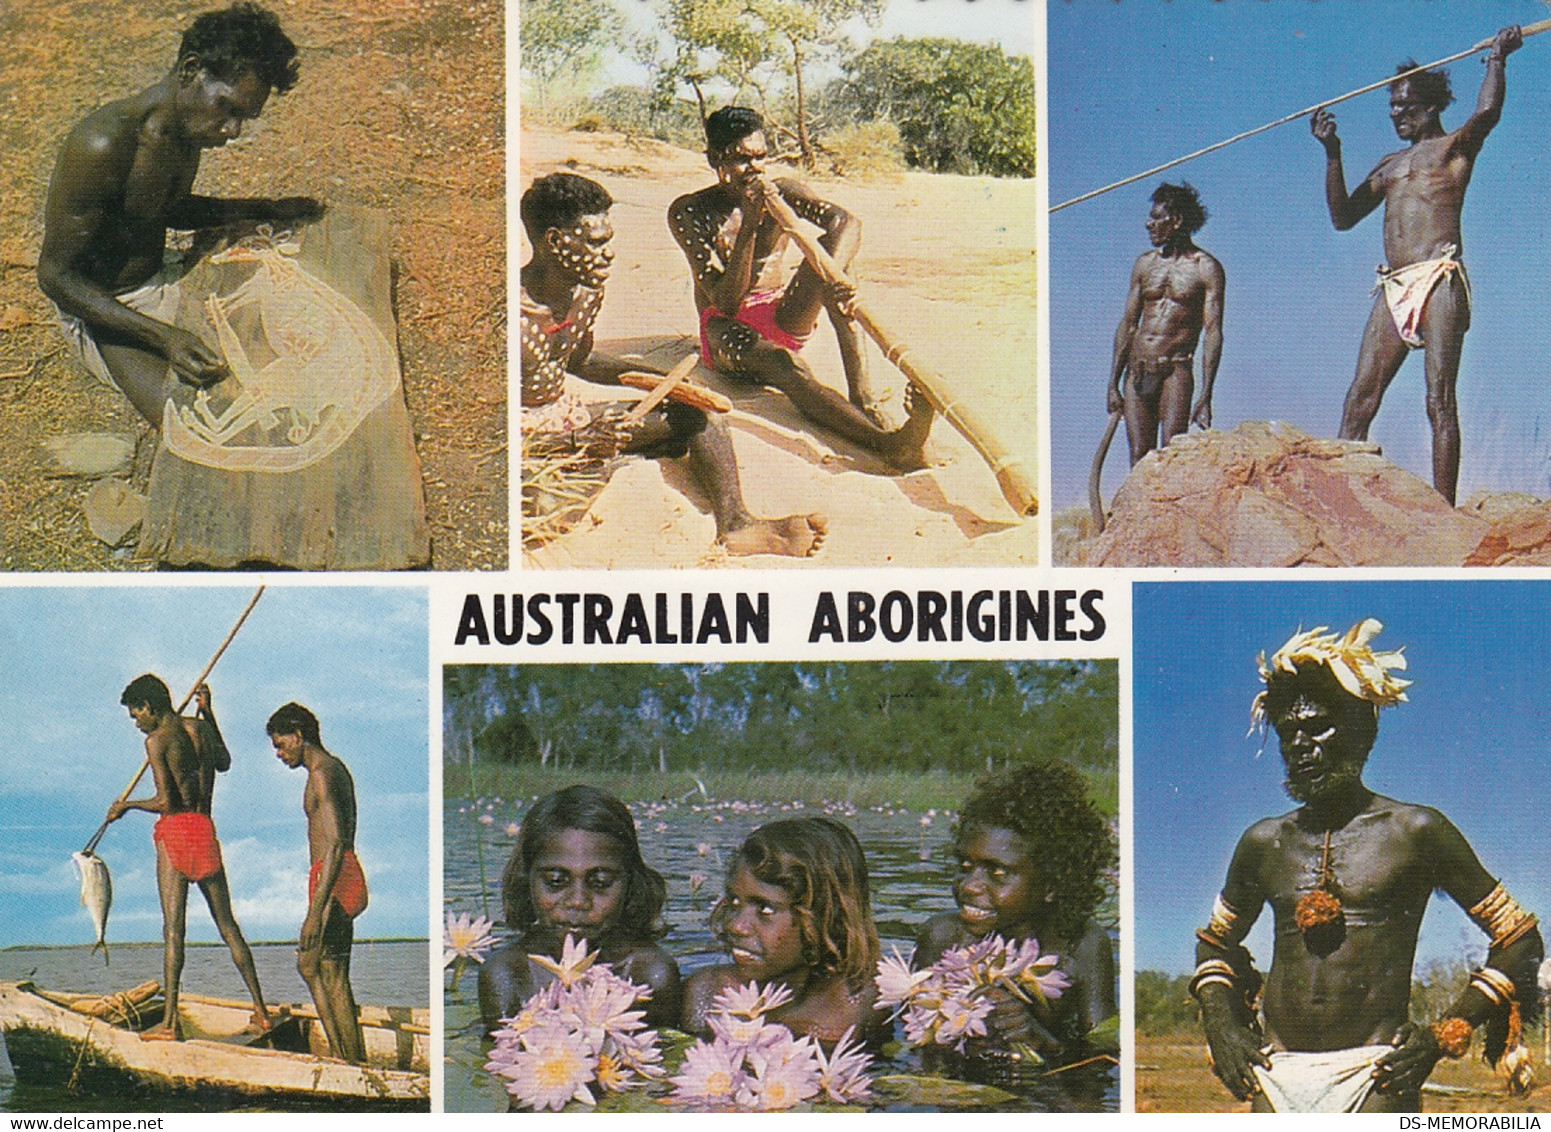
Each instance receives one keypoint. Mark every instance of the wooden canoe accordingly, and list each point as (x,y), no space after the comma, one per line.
(50,1043)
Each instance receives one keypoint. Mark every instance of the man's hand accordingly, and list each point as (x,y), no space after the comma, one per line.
(1506,42)
(195,363)
(1012,1021)
(1235,1051)
(1115,400)
(312,933)
(607,434)
(202,699)
(1323,126)
(1202,413)
(296,210)
(1416,1052)
(842,294)
(117,810)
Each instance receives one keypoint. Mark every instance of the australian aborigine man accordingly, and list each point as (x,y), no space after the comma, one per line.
(1175,303)
(336,886)
(566,218)
(1424,297)
(754,326)
(125,176)
(185,755)
(1348,875)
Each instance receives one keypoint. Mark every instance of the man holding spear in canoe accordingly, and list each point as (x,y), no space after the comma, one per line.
(566,218)
(1424,300)
(185,755)
(754,327)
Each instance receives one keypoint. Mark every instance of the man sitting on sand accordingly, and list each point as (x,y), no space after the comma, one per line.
(185,755)
(566,218)
(751,324)
(336,886)
(124,177)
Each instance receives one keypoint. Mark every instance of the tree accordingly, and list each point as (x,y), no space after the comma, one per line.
(959,107)
(566,37)
(751,41)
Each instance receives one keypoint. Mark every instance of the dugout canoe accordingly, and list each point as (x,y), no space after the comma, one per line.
(52,1044)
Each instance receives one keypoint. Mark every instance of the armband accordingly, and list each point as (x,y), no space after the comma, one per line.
(1494,986)
(1211,971)
(1501,918)
(1222,930)
(1453,1036)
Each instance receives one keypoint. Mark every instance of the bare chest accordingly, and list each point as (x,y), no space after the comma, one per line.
(550,342)
(1375,875)
(160,176)
(1175,280)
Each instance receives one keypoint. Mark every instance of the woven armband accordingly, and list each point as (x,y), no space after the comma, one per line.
(1453,1036)
(1501,918)
(1496,987)
(1223,929)
(1211,971)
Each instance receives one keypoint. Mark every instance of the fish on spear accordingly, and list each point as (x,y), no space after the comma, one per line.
(96,881)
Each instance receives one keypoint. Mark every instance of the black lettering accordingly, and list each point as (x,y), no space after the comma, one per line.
(897,627)
(1034,616)
(1090,606)
(982,626)
(665,636)
(1004,615)
(567,616)
(596,611)
(472,622)
(930,606)
(859,623)
(826,620)
(502,634)
(713,619)
(1065,615)
(633,623)
(543,628)
(956,616)
(753,617)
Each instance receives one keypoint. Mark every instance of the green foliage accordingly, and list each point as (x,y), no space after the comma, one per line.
(1435,987)
(566,37)
(1164,1005)
(867,150)
(960,107)
(639,113)
(913,717)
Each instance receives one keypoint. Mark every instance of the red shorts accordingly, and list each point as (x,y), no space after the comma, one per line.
(758,314)
(189,840)
(349,886)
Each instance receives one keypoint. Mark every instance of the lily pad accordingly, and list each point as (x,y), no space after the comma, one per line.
(937,1092)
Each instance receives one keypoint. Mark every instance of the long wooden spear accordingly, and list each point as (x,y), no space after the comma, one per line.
(1527,31)
(198,680)
(1011,476)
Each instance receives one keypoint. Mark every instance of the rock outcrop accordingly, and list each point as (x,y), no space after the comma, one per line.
(1266,494)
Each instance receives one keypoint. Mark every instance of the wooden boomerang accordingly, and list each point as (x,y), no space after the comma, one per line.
(672,378)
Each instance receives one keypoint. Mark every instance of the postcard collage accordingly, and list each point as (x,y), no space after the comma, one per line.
(945,601)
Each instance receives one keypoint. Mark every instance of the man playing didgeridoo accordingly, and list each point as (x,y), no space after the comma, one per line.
(751,324)
(1424,297)
(336,886)
(185,755)
(566,218)
(1348,875)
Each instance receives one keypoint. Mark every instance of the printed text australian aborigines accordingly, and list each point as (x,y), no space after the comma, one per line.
(742,618)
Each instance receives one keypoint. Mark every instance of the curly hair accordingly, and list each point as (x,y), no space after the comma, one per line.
(1358,718)
(1433,87)
(147,691)
(294,719)
(1045,803)
(590,809)
(819,863)
(1184,202)
(559,201)
(730,125)
(242,37)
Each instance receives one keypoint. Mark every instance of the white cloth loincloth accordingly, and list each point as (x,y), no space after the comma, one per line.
(157,299)
(1335,1081)
(1407,289)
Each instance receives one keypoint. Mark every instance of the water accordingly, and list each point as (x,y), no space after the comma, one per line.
(910,866)
(382,972)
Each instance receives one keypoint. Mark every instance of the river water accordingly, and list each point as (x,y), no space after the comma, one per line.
(910,866)
(382,972)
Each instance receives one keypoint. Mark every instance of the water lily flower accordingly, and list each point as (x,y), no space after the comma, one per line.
(712,1074)
(465,936)
(843,1074)
(785,1074)
(896,981)
(574,962)
(552,1067)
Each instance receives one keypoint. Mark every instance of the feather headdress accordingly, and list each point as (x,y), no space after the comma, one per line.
(1357,668)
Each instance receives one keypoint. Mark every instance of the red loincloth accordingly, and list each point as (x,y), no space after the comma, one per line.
(349,886)
(189,840)
(758,314)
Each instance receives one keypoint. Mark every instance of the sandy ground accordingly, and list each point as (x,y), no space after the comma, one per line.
(947,263)
(399,107)
(1172,1076)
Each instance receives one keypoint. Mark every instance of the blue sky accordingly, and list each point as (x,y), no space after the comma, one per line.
(1135,83)
(355,655)
(1471,741)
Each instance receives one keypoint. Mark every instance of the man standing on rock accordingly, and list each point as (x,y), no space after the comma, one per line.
(185,755)
(336,886)
(1424,299)
(124,177)
(1348,875)
(1175,304)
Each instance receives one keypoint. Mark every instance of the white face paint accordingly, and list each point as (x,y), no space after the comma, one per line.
(583,249)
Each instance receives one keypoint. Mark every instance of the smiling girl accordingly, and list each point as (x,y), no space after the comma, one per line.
(1032,850)
(577,870)
(796,911)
